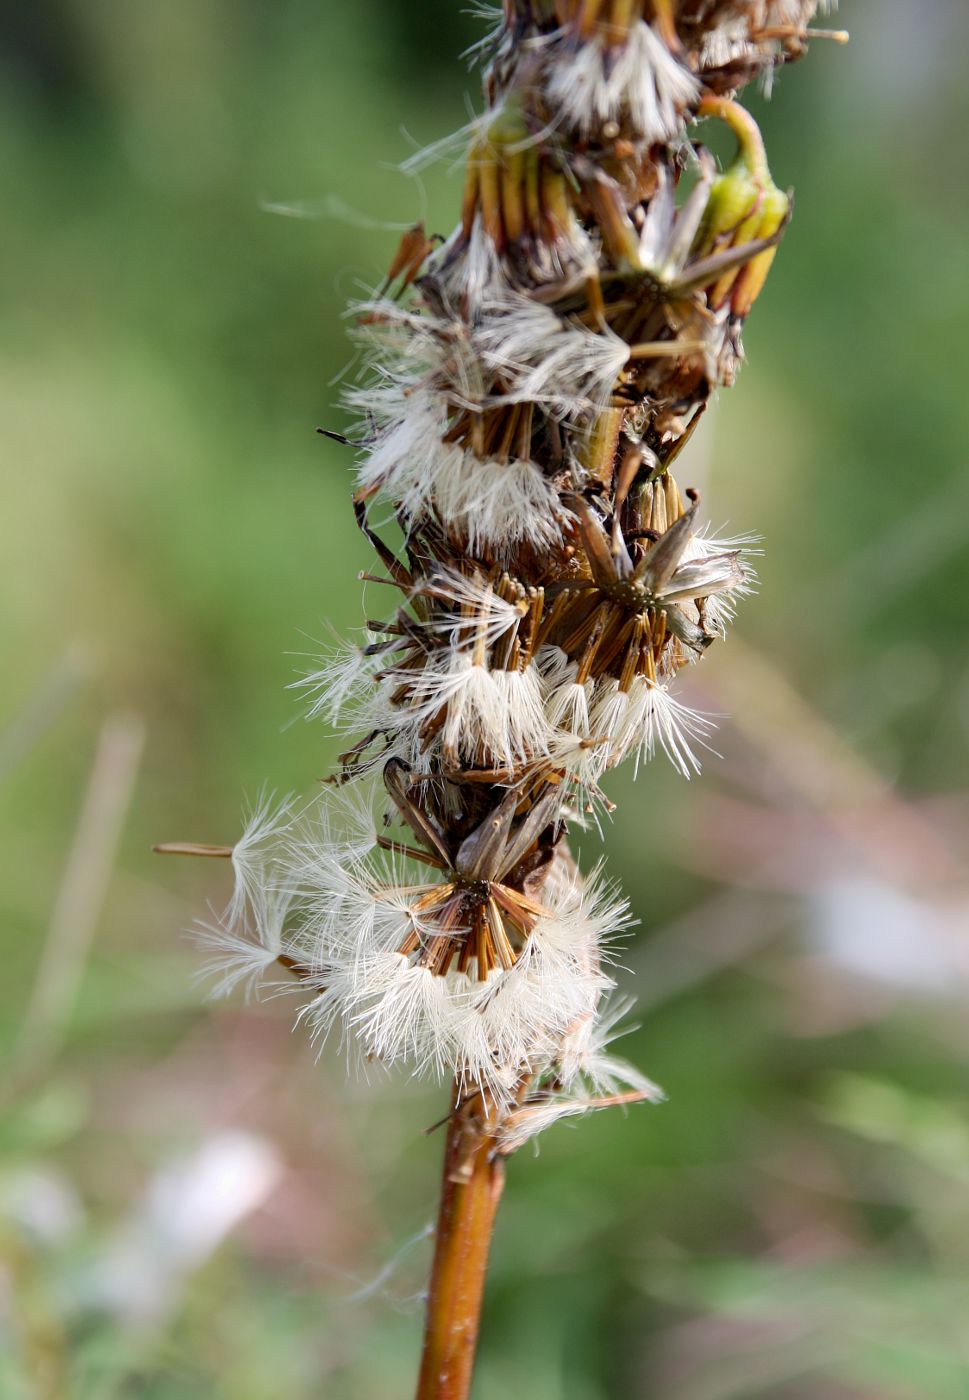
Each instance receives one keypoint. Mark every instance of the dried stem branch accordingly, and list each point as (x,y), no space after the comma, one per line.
(82,890)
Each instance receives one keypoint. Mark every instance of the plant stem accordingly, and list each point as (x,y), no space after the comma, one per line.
(473,1177)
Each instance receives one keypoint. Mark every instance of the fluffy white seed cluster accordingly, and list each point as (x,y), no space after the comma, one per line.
(460,707)
(337,910)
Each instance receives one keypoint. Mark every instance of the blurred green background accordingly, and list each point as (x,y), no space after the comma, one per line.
(191,1205)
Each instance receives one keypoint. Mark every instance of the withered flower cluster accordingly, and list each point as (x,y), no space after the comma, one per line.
(531,381)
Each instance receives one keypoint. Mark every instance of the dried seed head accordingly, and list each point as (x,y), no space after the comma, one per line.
(530,382)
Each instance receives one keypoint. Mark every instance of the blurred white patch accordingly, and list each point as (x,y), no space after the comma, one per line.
(879,932)
(41,1202)
(189,1207)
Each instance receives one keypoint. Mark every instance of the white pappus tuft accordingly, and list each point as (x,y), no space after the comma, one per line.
(267,822)
(598,83)
(473,610)
(644,718)
(355,924)
(513,350)
(405,454)
(738,37)
(242,952)
(584,1058)
(496,505)
(586,1078)
(491,713)
(598,724)
(340,682)
(453,706)
(737,578)
(470,269)
(546,359)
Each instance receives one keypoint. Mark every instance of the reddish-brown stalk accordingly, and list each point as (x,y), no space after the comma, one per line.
(471,1186)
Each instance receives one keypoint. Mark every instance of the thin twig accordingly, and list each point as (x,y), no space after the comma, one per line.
(82,890)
